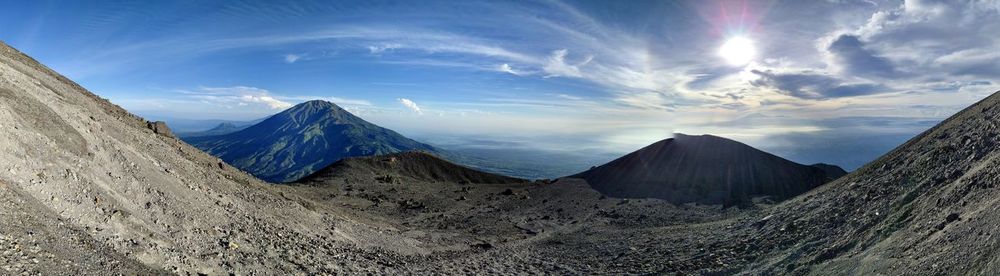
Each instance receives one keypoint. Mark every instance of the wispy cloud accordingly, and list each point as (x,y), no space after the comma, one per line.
(813,86)
(411,105)
(292,58)
(569,97)
(557,66)
(379,49)
(506,68)
(238,96)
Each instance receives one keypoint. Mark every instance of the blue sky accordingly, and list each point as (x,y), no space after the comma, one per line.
(828,81)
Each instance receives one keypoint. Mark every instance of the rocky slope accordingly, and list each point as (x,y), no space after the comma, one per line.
(34,240)
(704,169)
(927,207)
(90,188)
(302,140)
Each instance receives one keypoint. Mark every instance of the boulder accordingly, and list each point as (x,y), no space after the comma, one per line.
(160,127)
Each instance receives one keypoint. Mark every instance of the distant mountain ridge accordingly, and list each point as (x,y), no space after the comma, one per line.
(415,165)
(302,140)
(705,169)
(221,129)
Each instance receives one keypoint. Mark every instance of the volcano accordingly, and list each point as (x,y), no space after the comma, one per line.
(302,140)
(704,169)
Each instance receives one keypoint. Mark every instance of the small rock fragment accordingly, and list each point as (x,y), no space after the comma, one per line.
(483,246)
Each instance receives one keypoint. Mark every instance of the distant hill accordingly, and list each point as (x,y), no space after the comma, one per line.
(183,125)
(221,129)
(302,140)
(832,171)
(704,169)
(413,165)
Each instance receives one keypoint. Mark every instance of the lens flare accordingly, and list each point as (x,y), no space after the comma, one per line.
(738,51)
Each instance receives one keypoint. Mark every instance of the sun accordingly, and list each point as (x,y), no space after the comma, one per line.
(738,51)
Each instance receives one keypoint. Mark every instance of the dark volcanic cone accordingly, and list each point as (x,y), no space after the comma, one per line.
(704,169)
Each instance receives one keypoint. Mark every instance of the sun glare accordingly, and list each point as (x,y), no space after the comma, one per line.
(737,51)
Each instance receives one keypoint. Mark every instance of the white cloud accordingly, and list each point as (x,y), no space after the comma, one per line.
(647,100)
(267,100)
(379,49)
(569,97)
(924,34)
(411,105)
(292,58)
(240,96)
(557,66)
(230,103)
(506,68)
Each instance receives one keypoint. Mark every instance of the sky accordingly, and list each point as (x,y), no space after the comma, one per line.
(834,81)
